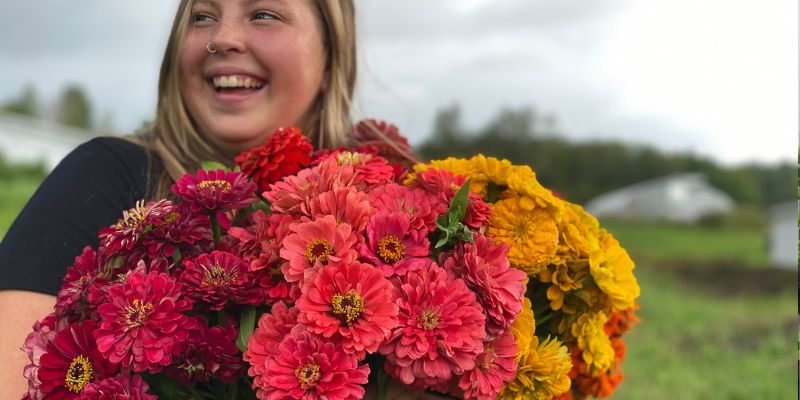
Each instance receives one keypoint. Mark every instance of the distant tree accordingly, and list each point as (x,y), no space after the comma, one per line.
(74,108)
(26,104)
(513,123)
(447,125)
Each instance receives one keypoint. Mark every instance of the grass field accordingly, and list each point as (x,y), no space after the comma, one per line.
(717,321)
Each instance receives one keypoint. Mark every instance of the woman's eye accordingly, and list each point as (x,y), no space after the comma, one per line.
(201,17)
(264,15)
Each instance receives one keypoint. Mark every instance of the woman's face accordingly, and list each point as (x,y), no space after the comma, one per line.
(266,72)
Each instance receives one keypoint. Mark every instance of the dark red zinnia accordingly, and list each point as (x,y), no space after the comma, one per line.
(76,283)
(214,278)
(213,191)
(286,152)
(210,352)
(120,387)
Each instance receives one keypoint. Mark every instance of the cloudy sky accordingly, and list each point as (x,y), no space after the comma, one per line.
(717,77)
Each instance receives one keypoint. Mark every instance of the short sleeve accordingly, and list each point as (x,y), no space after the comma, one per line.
(88,190)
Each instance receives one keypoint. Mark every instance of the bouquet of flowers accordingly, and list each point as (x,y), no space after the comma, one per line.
(308,275)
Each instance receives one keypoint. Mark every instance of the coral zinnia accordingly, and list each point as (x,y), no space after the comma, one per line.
(351,303)
(392,246)
(346,204)
(142,323)
(421,207)
(316,243)
(542,372)
(495,366)
(308,367)
(499,288)
(213,191)
(441,330)
(264,342)
(120,387)
(532,235)
(286,152)
(72,361)
(214,278)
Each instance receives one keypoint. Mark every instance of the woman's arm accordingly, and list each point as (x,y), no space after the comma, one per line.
(18,312)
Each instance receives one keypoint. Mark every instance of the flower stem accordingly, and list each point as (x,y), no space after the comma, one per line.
(216,228)
(383,383)
(545,318)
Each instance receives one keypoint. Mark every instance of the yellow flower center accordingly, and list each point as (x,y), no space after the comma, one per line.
(218,276)
(428,319)
(275,270)
(488,357)
(348,306)
(133,217)
(217,185)
(79,374)
(136,314)
(390,249)
(347,157)
(170,218)
(308,375)
(318,250)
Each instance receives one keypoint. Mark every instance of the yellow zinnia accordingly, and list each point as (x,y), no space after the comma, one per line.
(532,235)
(523,328)
(612,270)
(542,372)
(592,339)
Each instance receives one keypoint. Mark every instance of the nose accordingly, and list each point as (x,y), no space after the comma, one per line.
(229,37)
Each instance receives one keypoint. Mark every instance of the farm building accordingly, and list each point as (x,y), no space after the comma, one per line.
(681,197)
(29,140)
(783,234)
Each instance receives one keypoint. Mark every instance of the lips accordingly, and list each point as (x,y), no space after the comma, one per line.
(233,85)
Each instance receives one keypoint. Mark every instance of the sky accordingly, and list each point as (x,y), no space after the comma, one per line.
(715,77)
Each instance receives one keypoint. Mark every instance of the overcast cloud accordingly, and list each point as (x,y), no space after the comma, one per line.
(716,77)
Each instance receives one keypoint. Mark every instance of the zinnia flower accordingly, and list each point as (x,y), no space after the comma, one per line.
(210,352)
(76,282)
(494,367)
(523,328)
(308,367)
(532,235)
(72,361)
(214,278)
(392,246)
(286,152)
(441,329)
(125,234)
(142,324)
(593,341)
(498,287)
(542,373)
(351,303)
(213,191)
(385,138)
(266,338)
(445,184)
(36,343)
(370,170)
(316,243)
(422,208)
(120,387)
(346,204)
(612,270)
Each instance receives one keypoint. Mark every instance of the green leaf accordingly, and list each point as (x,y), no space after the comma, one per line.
(176,256)
(213,165)
(247,323)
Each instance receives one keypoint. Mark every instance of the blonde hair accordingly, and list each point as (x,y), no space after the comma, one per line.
(180,147)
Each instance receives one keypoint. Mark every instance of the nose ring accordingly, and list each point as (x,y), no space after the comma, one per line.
(210,48)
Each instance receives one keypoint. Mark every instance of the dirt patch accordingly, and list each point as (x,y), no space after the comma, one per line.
(732,279)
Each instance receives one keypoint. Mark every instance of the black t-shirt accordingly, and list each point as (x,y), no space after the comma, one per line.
(87,191)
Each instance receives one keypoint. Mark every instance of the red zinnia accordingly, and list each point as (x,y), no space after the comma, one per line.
(392,247)
(485,268)
(142,324)
(286,152)
(316,243)
(76,283)
(264,342)
(120,387)
(210,352)
(444,184)
(494,367)
(421,207)
(352,303)
(441,329)
(214,278)
(308,367)
(213,191)
(72,361)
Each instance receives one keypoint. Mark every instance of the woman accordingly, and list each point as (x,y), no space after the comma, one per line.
(233,71)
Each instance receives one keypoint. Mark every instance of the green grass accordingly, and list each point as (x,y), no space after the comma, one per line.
(13,197)
(730,335)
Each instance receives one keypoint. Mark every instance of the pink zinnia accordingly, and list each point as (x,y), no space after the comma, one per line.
(180,226)
(309,367)
(444,184)
(293,194)
(125,234)
(214,278)
(120,387)
(44,332)
(494,367)
(76,283)
(213,191)
(392,246)
(142,324)
(210,352)
(485,268)
(351,303)
(316,243)
(421,207)
(441,330)
(370,169)
(72,361)
(346,204)
(264,342)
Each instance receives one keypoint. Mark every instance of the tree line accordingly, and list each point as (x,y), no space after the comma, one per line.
(579,171)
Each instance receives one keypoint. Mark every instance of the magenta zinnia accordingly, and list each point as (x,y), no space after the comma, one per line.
(142,324)
(213,191)
(214,278)
(494,367)
(309,367)
(392,246)
(120,387)
(352,304)
(316,243)
(125,234)
(441,329)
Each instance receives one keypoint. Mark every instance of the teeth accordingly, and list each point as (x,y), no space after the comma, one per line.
(233,81)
